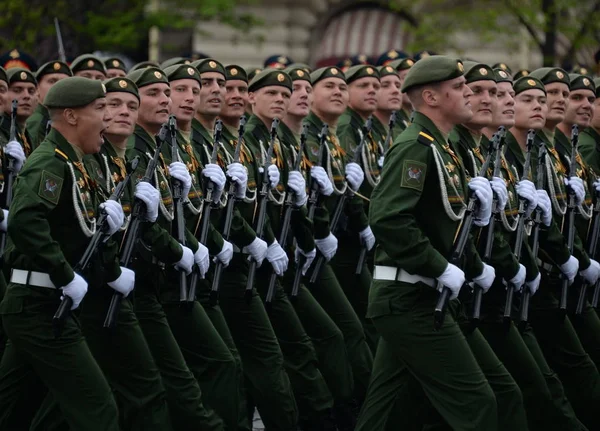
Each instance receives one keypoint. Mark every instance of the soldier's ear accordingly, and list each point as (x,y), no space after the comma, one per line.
(430,97)
(70,116)
(252,97)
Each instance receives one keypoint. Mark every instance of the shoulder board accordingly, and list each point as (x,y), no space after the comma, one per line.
(58,153)
(425,138)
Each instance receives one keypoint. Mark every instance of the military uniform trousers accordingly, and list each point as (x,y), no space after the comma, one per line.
(65,364)
(184,396)
(262,360)
(586,324)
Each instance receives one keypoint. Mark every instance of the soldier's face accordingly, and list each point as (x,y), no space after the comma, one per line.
(236,98)
(122,110)
(91,124)
(402,75)
(185,97)
(580,108)
(212,93)
(4,100)
(558,98)
(389,97)
(155,104)
(504,109)
(331,96)
(25,93)
(302,98)
(46,83)
(363,94)
(595,120)
(454,100)
(270,102)
(114,73)
(91,74)
(531,109)
(482,100)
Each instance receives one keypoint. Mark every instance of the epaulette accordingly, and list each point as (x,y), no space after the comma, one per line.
(425,138)
(58,153)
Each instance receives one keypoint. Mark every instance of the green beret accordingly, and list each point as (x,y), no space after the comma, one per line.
(433,69)
(114,63)
(387,71)
(53,67)
(528,83)
(502,75)
(174,61)
(502,66)
(521,73)
(402,64)
(298,73)
(3,76)
(121,85)
(74,92)
(208,65)
(147,76)
(143,65)
(361,71)
(548,75)
(596,83)
(235,72)
(252,72)
(182,71)
(87,62)
(18,74)
(327,72)
(269,77)
(302,66)
(581,82)
(478,72)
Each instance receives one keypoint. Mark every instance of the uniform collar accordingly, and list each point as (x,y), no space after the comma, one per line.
(425,123)
(63,145)
(145,136)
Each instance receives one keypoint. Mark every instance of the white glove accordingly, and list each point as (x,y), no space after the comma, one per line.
(273,173)
(576,184)
(591,273)
(380,162)
(569,268)
(201,259)
(75,290)
(4,223)
(308,258)
(297,184)
(239,175)
(278,258)
(597,186)
(216,175)
(327,246)
(354,175)
(545,206)
(179,171)
(453,278)
(14,150)
(486,278)
(187,260)
(226,254)
(125,283)
(482,189)
(258,250)
(518,280)
(320,176)
(499,187)
(367,238)
(114,215)
(150,196)
(526,190)
(534,284)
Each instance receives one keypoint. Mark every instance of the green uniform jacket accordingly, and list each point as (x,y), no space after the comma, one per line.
(37,123)
(589,148)
(22,136)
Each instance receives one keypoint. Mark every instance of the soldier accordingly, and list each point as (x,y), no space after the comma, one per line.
(403,66)
(46,76)
(22,88)
(423,178)
(53,215)
(89,66)
(588,138)
(114,67)
(389,100)
(277,62)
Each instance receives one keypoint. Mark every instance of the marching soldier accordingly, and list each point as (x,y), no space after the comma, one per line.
(115,67)
(89,66)
(22,87)
(403,66)
(589,139)
(389,100)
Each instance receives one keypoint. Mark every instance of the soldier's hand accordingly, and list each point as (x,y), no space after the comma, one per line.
(180,172)
(114,215)
(187,260)
(15,151)
(274,175)
(225,255)
(499,187)
(277,257)
(75,290)
(258,250)
(526,190)
(482,189)
(125,283)
(239,175)
(486,278)
(354,175)
(569,268)
(201,258)
(297,184)
(327,246)
(518,280)
(545,206)
(308,258)
(367,238)
(576,185)
(318,174)
(534,284)
(150,196)
(453,278)
(4,222)
(591,273)
(216,175)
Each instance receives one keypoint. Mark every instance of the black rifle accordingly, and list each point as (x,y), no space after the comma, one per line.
(61,48)
(339,209)
(570,215)
(458,248)
(495,146)
(138,212)
(206,209)
(389,139)
(178,229)
(288,207)
(520,231)
(363,251)
(313,202)
(12,137)
(99,238)
(231,199)
(262,206)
